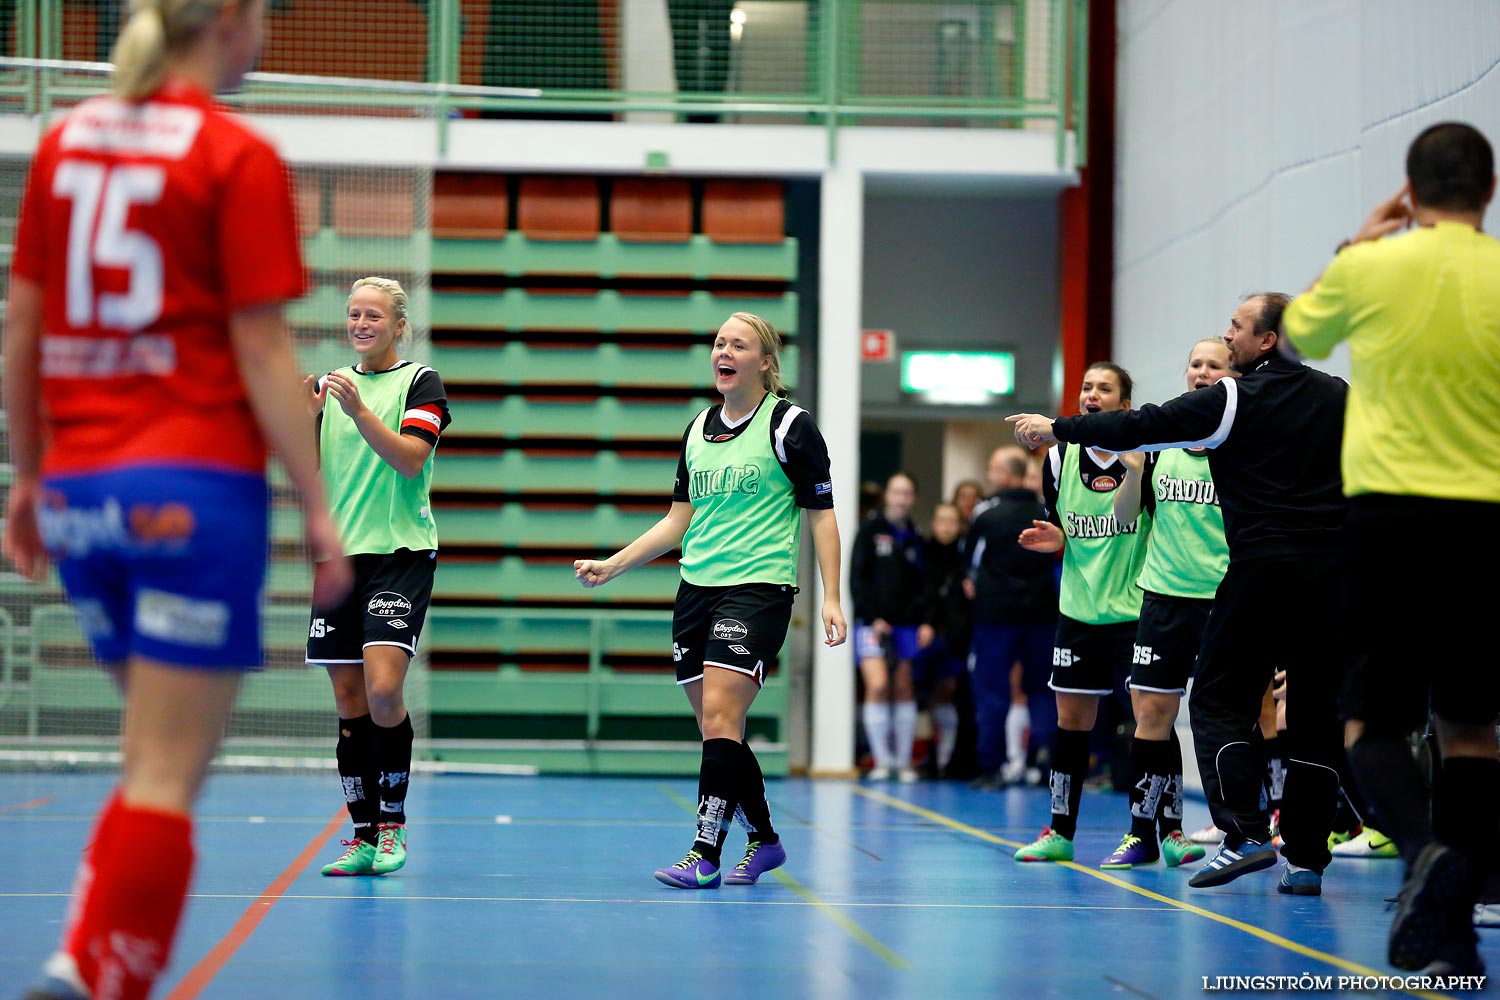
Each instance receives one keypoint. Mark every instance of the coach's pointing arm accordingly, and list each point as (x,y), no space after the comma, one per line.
(1198,419)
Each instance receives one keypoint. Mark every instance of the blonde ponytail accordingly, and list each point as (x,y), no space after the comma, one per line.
(156,29)
(770,346)
(140,54)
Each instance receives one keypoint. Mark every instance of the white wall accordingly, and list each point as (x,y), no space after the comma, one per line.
(1253,137)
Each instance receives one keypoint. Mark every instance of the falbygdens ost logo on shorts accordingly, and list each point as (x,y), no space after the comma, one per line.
(388,605)
(731,629)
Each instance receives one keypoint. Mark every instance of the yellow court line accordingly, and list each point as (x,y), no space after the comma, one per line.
(850,927)
(1238,925)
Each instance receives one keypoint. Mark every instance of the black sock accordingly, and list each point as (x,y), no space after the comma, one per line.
(1391,782)
(1151,785)
(754,811)
(355,754)
(393,751)
(1145,789)
(1169,817)
(1070,766)
(718,777)
(1466,812)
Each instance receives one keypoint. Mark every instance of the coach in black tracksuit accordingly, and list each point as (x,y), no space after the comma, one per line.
(1274,436)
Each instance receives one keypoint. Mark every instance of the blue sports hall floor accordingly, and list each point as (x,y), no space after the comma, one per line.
(541,887)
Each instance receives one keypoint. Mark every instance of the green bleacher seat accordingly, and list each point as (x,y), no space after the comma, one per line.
(512,577)
(517,630)
(605,419)
(603,473)
(600,525)
(507,578)
(329,250)
(606,365)
(606,311)
(513,524)
(698,258)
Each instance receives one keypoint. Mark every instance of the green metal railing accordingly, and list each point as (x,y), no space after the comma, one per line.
(46,674)
(829,63)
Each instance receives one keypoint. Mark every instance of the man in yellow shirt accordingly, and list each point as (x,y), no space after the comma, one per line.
(1421,465)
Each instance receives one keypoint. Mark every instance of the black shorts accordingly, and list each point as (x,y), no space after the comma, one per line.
(1166,642)
(386,607)
(1091,659)
(739,628)
(1414,614)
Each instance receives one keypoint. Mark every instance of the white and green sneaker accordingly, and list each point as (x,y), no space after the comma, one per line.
(390,848)
(1371,843)
(359,859)
(1050,846)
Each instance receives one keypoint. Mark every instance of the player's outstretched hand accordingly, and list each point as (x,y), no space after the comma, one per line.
(594,572)
(1032,429)
(343,389)
(835,629)
(333,572)
(23,542)
(1042,536)
(314,395)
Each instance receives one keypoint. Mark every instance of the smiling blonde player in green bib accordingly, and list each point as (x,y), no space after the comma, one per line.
(748,467)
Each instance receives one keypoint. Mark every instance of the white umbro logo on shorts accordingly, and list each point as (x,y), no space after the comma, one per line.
(396,623)
(740,649)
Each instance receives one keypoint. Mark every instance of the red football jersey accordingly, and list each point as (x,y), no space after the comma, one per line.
(147,224)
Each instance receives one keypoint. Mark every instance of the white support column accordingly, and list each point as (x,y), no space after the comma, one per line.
(647,54)
(840,290)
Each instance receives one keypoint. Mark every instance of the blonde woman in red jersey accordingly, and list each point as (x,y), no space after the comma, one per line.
(154,230)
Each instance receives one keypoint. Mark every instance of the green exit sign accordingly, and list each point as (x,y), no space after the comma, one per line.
(958,376)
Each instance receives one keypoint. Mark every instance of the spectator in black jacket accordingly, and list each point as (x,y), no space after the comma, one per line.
(1275,434)
(941,662)
(888,584)
(1015,616)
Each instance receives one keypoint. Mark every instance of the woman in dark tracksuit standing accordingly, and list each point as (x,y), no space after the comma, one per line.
(889,586)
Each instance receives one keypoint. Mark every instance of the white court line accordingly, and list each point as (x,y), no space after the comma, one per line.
(549,821)
(673,901)
(260,762)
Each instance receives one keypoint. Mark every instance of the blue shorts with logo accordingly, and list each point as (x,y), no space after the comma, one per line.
(870,645)
(165,562)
